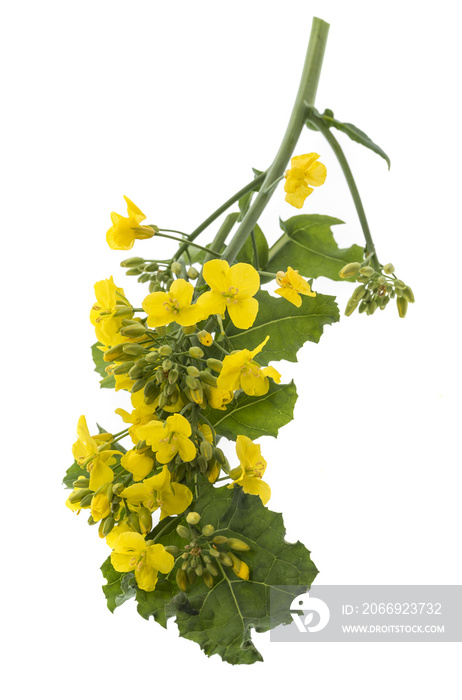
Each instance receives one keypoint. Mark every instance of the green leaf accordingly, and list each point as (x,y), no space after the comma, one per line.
(255,416)
(247,255)
(73,474)
(354,133)
(120,586)
(220,619)
(309,246)
(108,381)
(288,327)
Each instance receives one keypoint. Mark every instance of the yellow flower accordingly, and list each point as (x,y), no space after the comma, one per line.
(240,371)
(124,230)
(217,398)
(292,285)
(137,464)
(169,438)
(159,492)
(109,301)
(100,505)
(232,288)
(132,553)
(175,305)
(86,453)
(251,469)
(304,171)
(116,531)
(142,413)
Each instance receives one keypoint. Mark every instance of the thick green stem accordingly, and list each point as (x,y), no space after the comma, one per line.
(305,99)
(334,144)
(221,236)
(254,184)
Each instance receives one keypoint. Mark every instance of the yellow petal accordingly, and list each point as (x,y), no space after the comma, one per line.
(178,424)
(273,373)
(159,482)
(215,273)
(182,291)
(297,199)
(133,210)
(256,487)
(245,278)
(146,578)
(211,303)
(316,174)
(243,313)
(176,500)
(159,559)
(291,295)
(303,162)
(186,448)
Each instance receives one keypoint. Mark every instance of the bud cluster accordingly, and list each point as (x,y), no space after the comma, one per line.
(206,553)
(158,274)
(376,289)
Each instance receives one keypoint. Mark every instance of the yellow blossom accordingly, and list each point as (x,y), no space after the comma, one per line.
(109,301)
(116,531)
(232,288)
(251,469)
(304,171)
(172,306)
(240,371)
(159,492)
(292,285)
(142,413)
(132,553)
(124,230)
(217,398)
(137,464)
(169,438)
(87,452)
(100,505)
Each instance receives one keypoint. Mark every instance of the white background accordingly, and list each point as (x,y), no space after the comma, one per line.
(172,104)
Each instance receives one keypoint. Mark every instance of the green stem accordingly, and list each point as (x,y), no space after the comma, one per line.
(221,236)
(218,212)
(180,240)
(256,262)
(339,154)
(304,100)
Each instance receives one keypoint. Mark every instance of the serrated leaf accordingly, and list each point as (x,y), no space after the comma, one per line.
(108,381)
(288,327)
(354,133)
(120,587)
(247,254)
(309,246)
(255,416)
(220,619)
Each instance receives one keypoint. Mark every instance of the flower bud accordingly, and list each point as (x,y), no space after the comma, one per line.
(189,330)
(145,519)
(366,271)
(204,338)
(212,569)
(358,293)
(86,500)
(133,349)
(139,384)
(192,273)
(408,294)
(77,496)
(225,559)
(114,353)
(134,522)
(132,262)
(206,450)
(134,331)
(193,518)
(215,364)
(208,530)
(191,575)
(181,580)
(172,549)
(145,277)
(389,269)
(238,545)
(183,532)
(208,579)
(215,553)
(220,539)
(350,270)
(208,378)
(81,483)
(176,268)
(152,267)
(350,307)
(371,307)
(165,350)
(402,305)
(109,523)
(192,371)
(125,367)
(196,352)
(399,284)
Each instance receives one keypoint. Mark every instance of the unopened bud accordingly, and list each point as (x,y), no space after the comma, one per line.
(81,483)
(165,350)
(134,331)
(183,532)
(350,307)
(145,277)
(109,523)
(399,284)
(238,545)
(192,371)
(196,352)
(86,500)
(191,575)
(172,549)
(212,569)
(189,330)
(208,378)
(358,293)
(139,384)
(132,262)
(208,579)
(216,365)
(77,496)
(134,522)
(152,267)
(408,294)
(145,519)
(215,553)
(225,559)
(125,367)
(389,269)
(350,270)
(192,273)
(193,518)
(235,473)
(152,356)
(133,349)
(204,338)
(206,450)
(181,580)
(208,530)
(371,307)
(402,305)
(366,271)
(220,539)
(113,353)
(133,272)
